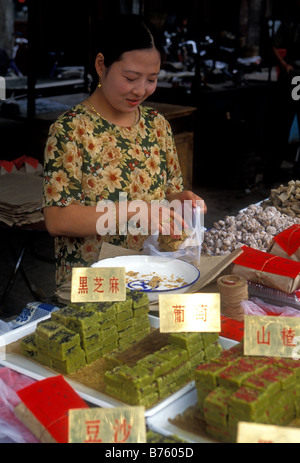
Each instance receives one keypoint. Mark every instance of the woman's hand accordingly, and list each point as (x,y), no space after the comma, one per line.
(187,195)
(151,218)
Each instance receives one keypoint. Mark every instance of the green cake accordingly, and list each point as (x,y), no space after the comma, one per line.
(82,321)
(233,388)
(47,328)
(139,299)
(155,365)
(167,364)
(156,438)
(60,344)
(97,328)
(71,363)
(216,406)
(28,346)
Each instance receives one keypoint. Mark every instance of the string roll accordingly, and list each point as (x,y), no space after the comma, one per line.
(233,290)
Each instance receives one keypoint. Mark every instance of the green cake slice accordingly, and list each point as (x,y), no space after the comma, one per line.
(268,385)
(60,344)
(82,320)
(206,376)
(186,340)
(209,338)
(47,328)
(174,354)
(286,377)
(234,375)
(139,299)
(155,364)
(61,315)
(71,364)
(93,354)
(28,346)
(247,403)
(216,407)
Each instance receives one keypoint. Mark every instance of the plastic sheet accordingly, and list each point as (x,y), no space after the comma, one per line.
(190,250)
(256,306)
(11,429)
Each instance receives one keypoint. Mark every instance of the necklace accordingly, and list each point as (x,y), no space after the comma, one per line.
(136,117)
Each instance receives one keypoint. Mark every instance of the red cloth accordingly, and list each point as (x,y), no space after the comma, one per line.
(232,329)
(49,400)
(19,162)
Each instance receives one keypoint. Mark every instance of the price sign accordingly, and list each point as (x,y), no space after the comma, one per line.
(116,425)
(272,336)
(199,312)
(252,433)
(98,284)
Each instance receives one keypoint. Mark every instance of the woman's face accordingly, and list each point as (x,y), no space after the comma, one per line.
(128,82)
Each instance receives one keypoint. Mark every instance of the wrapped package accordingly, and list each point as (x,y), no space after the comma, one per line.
(44,408)
(287,244)
(268,270)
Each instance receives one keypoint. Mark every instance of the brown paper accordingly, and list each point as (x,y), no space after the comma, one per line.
(271,280)
(277,250)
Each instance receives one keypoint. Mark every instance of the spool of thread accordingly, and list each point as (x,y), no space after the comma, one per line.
(233,290)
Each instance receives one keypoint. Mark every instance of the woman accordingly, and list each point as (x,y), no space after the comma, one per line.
(107,145)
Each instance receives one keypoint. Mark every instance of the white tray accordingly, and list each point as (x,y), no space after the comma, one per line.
(159,422)
(36,371)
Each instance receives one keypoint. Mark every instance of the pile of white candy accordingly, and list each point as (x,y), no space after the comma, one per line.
(254,227)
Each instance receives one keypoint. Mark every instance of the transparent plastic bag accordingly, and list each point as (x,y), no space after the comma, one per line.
(11,429)
(190,249)
(257,306)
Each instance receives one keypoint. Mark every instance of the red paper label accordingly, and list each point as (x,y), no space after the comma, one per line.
(50,400)
(265,262)
(289,240)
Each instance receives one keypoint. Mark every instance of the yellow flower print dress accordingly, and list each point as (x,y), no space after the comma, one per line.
(88,159)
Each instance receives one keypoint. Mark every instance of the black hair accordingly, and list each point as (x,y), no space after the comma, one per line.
(123,33)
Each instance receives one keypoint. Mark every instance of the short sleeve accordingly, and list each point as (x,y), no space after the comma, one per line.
(62,166)
(174,175)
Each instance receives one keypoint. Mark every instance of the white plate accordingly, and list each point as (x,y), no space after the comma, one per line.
(145,268)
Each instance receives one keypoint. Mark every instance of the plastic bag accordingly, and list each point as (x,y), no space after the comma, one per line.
(11,429)
(190,250)
(256,306)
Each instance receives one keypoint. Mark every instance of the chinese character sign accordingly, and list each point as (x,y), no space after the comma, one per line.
(119,425)
(98,284)
(272,336)
(199,312)
(253,433)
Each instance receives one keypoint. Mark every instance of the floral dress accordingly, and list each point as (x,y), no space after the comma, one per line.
(88,159)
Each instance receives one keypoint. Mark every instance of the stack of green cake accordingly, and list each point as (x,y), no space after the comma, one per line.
(236,388)
(156,373)
(56,346)
(95,328)
(86,324)
(199,346)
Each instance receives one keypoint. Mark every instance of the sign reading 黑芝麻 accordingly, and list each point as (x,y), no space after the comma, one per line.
(198,312)
(272,336)
(98,284)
